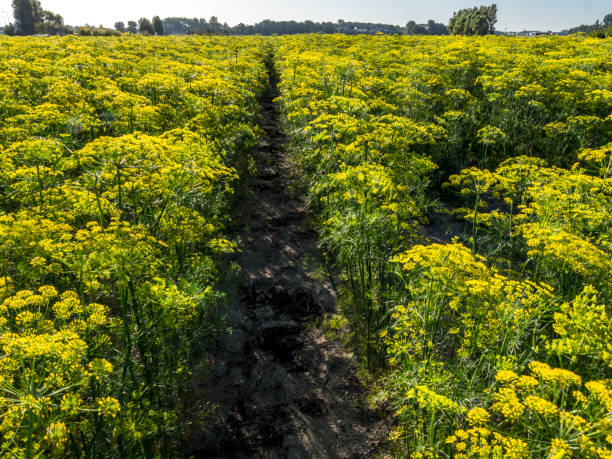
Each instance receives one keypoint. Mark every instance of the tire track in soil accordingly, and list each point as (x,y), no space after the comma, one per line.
(282,389)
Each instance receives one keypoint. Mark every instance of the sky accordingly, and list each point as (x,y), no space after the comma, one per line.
(513,15)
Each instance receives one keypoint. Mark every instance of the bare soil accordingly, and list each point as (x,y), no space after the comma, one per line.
(280,387)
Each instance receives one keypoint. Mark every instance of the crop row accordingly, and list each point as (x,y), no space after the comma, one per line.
(119,161)
(491,337)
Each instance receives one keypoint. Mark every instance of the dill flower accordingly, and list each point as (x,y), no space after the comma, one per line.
(560,376)
(540,406)
(526,383)
(100,367)
(57,434)
(559,449)
(601,393)
(432,400)
(109,407)
(506,377)
(71,403)
(508,404)
(580,397)
(478,416)
(396,434)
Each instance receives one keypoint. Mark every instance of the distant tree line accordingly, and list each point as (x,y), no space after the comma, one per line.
(599,29)
(268,27)
(194,26)
(607,22)
(212,26)
(31,18)
(144,26)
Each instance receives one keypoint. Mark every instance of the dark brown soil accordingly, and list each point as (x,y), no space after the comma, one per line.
(280,388)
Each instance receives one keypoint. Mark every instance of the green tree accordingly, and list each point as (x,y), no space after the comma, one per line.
(27,13)
(490,14)
(132,27)
(50,23)
(145,26)
(474,21)
(120,26)
(607,20)
(433,28)
(213,25)
(31,18)
(158,26)
(412,28)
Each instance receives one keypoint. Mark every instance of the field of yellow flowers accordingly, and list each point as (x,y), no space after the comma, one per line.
(498,341)
(119,159)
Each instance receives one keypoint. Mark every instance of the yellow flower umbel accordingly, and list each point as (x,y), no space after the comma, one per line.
(109,407)
(508,404)
(557,376)
(478,416)
(559,449)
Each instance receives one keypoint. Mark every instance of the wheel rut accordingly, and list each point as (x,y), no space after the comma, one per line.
(280,388)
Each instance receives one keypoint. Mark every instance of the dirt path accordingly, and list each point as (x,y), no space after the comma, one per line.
(282,389)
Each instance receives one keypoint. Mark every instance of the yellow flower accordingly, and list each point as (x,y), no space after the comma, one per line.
(506,376)
(109,407)
(559,449)
(71,403)
(100,367)
(526,383)
(396,434)
(580,397)
(57,434)
(429,399)
(601,393)
(564,378)
(477,416)
(540,406)
(508,404)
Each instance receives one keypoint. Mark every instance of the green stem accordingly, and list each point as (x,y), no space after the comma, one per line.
(99,204)
(40,187)
(475,222)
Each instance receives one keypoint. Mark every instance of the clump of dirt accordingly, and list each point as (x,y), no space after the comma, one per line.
(281,388)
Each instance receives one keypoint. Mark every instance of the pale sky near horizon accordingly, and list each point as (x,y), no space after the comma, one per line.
(513,15)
